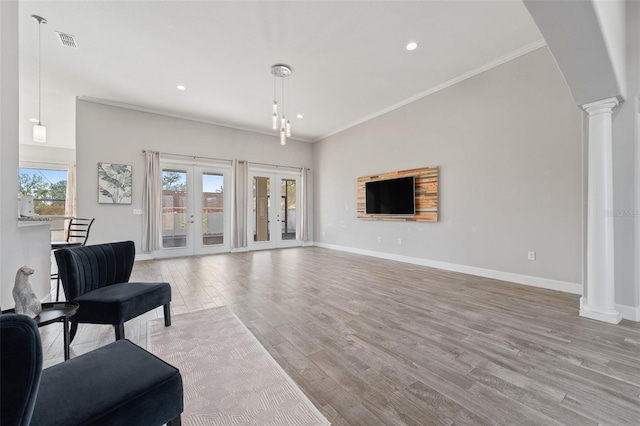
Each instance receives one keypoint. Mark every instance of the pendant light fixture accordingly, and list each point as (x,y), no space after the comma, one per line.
(280,122)
(39,131)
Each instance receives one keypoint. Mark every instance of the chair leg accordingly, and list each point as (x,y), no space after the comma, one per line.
(57,287)
(167,314)
(176,421)
(119,331)
(73,330)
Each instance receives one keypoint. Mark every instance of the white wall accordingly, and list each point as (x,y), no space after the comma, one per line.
(509,146)
(117,135)
(58,112)
(46,154)
(19,246)
(625,187)
(8,138)
(612,18)
(583,41)
(633,62)
(597,48)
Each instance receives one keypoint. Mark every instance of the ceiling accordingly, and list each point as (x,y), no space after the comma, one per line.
(348,57)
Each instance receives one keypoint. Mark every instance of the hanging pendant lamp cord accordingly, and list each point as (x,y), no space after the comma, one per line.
(39,75)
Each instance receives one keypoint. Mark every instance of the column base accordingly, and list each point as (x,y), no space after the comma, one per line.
(612,316)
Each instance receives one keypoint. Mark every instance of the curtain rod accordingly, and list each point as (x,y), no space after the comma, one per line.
(277,166)
(46,163)
(195,157)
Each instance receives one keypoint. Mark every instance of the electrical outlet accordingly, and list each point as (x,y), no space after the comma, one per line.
(399,241)
(531,255)
(137,211)
(379,239)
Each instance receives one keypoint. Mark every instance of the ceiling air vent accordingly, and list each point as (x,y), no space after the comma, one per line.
(67,40)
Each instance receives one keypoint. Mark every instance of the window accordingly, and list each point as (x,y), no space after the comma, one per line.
(48,187)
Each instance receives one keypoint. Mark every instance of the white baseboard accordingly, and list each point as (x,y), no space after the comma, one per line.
(307,243)
(144,256)
(564,286)
(240,250)
(631,313)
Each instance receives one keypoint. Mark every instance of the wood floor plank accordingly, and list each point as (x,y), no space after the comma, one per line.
(442,408)
(377,342)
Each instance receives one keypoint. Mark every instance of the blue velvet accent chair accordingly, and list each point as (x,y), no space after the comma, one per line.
(20,368)
(117,384)
(97,278)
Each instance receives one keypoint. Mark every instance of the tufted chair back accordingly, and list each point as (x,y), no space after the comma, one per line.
(20,368)
(87,268)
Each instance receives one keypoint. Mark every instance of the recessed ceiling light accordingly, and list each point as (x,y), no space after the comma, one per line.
(412,46)
(299,116)
(181,87)
(33,120)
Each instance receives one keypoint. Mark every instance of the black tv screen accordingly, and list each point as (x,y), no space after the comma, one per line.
(391,196)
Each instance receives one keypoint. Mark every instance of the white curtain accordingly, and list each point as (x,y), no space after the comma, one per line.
(152,203)
(304,211)
(70,201)
(239,184)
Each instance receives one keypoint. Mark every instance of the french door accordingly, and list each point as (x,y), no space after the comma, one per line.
(195,209)
(273,212)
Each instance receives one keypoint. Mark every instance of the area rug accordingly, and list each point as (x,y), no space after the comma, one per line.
(229,377)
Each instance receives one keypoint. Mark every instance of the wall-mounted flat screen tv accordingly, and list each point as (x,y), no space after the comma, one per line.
(391,196)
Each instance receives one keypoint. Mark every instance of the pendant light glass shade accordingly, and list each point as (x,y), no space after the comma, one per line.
(280,71)
(275,112)
(39,133)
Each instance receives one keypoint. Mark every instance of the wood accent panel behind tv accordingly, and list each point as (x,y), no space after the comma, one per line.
(426,195)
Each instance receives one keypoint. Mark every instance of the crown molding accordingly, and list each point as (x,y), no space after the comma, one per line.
(180,116)
(486,67)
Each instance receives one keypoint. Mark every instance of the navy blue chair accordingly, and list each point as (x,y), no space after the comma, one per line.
(117,384)
(20,368)
(97,278)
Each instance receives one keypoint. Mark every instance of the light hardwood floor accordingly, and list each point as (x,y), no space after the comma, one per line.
(374,342)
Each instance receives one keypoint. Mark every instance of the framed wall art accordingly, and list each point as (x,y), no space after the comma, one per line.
(114,183)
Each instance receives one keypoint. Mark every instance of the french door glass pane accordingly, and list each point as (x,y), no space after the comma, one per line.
(261,201)
(174,208)
(212,209)
(288,208)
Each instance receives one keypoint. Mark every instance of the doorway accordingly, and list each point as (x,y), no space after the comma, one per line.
(274,214)
(195,213)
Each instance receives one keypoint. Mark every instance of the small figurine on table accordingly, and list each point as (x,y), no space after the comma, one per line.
(27,303)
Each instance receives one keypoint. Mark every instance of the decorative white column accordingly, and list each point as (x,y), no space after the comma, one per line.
(599,301)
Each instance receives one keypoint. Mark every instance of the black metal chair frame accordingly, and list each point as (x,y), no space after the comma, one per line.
(77,235)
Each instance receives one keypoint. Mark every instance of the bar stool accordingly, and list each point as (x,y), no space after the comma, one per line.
(77,235)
